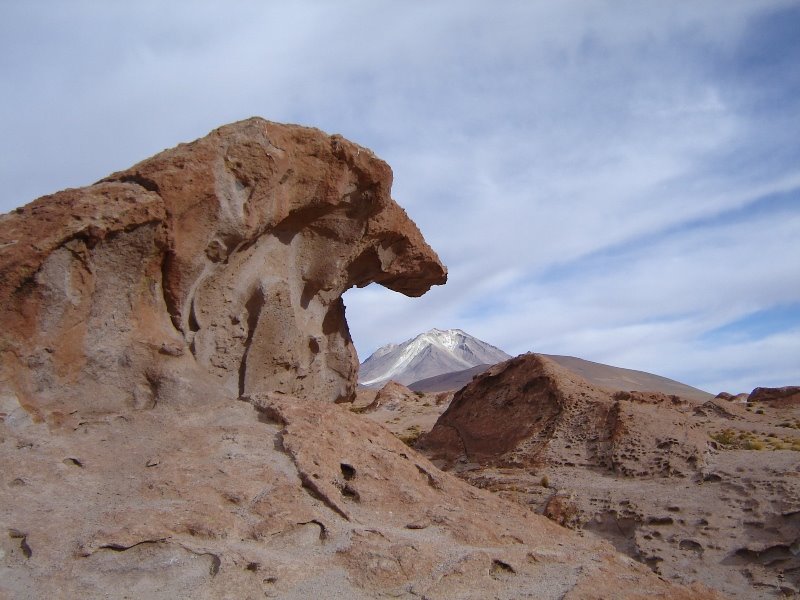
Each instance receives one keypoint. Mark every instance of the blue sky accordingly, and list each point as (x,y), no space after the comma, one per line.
(618,181)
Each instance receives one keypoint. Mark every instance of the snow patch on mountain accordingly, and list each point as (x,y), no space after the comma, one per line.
(434,352)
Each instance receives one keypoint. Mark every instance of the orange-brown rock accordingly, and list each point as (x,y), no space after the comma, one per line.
(391,397)
(786,396)
(221,262)
(173,341)
(530,410)
(272,496)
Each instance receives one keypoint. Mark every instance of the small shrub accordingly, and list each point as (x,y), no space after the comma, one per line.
(545,482)
(752,444)
(410,436)
(726,437)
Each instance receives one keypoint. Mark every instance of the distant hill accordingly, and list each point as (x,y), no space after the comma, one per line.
(614,378)
(432,353)
(617,378)
(448,381)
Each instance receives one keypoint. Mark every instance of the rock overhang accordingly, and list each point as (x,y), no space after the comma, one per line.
(232,250)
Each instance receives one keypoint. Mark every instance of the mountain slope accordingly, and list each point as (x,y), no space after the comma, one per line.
(617,378)
(434,352)
(613,378)
(448,382)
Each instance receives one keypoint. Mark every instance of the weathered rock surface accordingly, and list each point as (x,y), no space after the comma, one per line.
(272,496)
(223,260)
(173,341)
(731,397)
(789,395)
(700,492)
(530,410)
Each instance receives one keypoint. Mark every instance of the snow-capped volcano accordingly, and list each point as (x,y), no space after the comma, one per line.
(431,353)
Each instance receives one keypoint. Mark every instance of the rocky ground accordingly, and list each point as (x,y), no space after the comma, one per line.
(405,413)
(700,492)
(174,384)
(269,496)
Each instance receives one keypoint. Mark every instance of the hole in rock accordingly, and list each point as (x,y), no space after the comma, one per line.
(215,565)
(691,545)
(348,471)
(500,567)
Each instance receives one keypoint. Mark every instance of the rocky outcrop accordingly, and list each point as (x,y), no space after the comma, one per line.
(216,264)
(530,411)
(173,341)
(698,492)
(392,396)
(787,396)
(278,497)
(732,397)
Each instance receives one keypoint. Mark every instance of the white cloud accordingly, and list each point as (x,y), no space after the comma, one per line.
(528,139)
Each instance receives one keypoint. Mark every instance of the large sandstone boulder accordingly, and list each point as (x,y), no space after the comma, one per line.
(530,411)
(173,341)
(217,263)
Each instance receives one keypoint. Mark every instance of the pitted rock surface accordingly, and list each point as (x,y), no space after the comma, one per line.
(700,492)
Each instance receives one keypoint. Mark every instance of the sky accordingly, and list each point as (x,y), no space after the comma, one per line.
(618,181)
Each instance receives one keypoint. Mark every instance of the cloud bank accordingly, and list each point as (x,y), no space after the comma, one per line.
(616,181)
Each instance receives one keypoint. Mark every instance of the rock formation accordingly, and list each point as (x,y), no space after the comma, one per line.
(217,263)
(530,410)
(783,396)
(704,492)
(173,346)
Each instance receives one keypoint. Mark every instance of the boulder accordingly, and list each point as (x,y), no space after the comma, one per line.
(782,396)
(530,411)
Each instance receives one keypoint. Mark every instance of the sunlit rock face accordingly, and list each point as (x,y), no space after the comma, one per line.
(218,264)
(173,344)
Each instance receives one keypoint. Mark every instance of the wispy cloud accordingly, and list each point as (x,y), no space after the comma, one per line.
(597,176)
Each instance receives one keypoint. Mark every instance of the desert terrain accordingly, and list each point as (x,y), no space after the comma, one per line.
(176,385)
(699,490)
